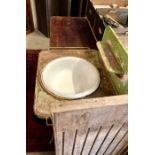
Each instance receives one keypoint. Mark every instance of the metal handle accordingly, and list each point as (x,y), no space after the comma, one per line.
(47,121)
(51,140)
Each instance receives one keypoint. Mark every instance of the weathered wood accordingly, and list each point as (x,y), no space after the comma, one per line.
(92,130)
(109,139)
(60,147)
(100,139)
(90,140)
(93,117)
(110,2)
(81,139)
(92,125)
(91,103)
(121,134)
(69,141)
(121,146)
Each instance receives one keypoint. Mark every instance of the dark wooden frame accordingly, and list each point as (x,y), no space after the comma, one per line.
(29,18)
(47,8)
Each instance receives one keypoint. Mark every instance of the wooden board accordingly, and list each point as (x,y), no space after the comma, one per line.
(71,32)
(100,130)
(110,2)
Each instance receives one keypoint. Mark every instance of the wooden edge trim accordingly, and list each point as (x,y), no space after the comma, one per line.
(82,104)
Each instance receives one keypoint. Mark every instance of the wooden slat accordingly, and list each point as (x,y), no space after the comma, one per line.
(95,140)
(101,138)
(69,141)
(117,140)
(90,140)
(121,145)
(59,140)
(81,140)
(110,137)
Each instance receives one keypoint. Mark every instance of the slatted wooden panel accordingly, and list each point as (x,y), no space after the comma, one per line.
(95,131)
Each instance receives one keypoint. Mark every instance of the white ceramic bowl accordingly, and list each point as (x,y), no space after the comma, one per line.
(70,77)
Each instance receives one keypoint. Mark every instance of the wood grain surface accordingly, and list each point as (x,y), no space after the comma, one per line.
(71,32)
(86,130)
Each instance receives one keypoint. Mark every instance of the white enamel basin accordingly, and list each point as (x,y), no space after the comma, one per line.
(70,77)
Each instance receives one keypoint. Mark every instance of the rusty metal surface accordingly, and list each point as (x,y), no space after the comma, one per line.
(71,32)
